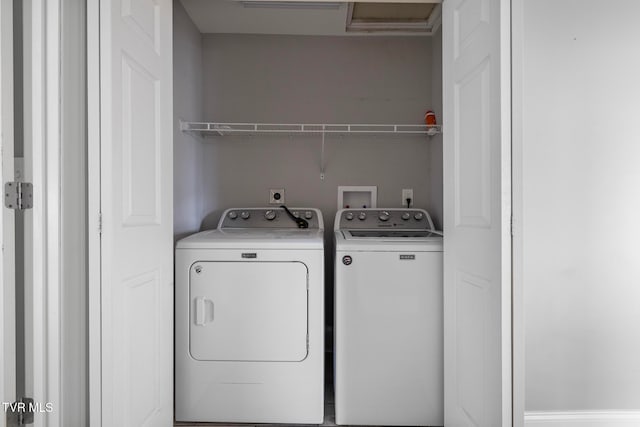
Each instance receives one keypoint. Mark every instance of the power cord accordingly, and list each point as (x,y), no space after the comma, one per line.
(302,223)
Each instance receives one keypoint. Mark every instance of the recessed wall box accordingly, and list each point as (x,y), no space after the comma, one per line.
(357,196)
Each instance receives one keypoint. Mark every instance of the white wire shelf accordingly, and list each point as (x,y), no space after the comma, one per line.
(224,129)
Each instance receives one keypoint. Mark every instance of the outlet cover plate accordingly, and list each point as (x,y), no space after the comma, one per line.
(276,196)
(407,193)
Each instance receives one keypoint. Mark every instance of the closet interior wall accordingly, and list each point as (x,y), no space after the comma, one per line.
(243,78)
(188,103)
(313,79)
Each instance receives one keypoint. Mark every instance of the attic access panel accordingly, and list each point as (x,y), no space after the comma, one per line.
(393,17)
(405,12)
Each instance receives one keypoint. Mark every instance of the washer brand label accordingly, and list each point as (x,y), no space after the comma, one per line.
(407,257)
(249,255)
(347,260)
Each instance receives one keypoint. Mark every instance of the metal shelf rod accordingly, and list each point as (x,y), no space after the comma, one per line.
(223,129)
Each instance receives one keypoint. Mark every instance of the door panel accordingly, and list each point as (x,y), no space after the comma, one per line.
(477,206)
(472,149)
(248,311)
(141,145)
(136,203)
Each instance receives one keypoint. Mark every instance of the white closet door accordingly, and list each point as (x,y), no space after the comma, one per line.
(477,208)
(137,212)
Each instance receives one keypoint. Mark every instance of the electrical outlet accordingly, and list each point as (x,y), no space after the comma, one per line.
(276,196)
(407,193)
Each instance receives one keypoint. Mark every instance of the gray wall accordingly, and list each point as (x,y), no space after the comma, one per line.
(74,405)
(188,106)
(306,79)
(435,200)
(581,228)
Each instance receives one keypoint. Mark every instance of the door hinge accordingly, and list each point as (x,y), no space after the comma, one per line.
(18,195)
(100,223)
(511,225)
(20,412)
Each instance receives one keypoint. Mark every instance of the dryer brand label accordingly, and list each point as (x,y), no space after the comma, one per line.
(407,257)
(249,255)
(347,260)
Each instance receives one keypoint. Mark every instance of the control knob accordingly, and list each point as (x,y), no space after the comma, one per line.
(270,215)
(406,216)
(308,214)
(418,216)
(245,215)
(233,215)
(384,216)
(362,216)
(348,216)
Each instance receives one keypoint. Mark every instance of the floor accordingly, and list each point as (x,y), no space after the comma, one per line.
(329,406)
(329,417)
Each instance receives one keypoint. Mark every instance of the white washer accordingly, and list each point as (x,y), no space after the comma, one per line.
(388,318)
(249,319)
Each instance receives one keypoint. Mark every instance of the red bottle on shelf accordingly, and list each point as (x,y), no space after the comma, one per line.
(430,118)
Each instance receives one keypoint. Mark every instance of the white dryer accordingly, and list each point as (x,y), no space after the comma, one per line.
(388,318)
(249,319)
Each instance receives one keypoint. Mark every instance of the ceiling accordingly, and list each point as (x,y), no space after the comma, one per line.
(264,17)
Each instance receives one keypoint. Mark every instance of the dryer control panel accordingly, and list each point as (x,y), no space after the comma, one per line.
(402,219)
(269,218)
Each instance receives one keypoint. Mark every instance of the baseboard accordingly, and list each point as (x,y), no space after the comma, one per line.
(582,419)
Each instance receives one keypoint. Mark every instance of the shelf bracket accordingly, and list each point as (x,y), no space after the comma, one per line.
(322,156)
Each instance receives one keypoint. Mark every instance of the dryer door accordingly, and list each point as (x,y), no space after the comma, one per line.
(248,311)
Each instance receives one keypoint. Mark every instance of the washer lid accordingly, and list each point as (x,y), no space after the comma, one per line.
(389,234)
(370,240)
(254,239)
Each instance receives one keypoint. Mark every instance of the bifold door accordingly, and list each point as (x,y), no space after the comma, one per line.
(135,376)
(248,311)
(477,207)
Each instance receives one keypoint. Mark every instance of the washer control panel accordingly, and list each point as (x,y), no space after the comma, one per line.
(269,218)
(404,219)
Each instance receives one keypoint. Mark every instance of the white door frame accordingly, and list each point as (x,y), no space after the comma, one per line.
(94,219)
(50,179)
(42,113)
(42,154)
(518,343)
(7,218)
(516,412)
